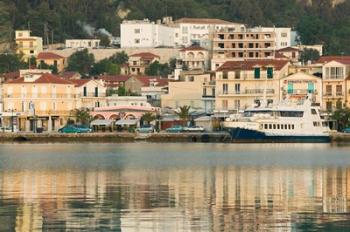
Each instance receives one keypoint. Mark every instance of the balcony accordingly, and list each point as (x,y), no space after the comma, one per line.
(300,92)
(248,92)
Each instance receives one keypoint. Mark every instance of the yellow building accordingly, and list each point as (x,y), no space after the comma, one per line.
(194,57)
(28,45)
(53,59)
(37,100)
(336,83)
(241,84)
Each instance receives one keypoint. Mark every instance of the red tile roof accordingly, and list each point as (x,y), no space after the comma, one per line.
(48,56)
(340,59)
(251,64)
(280,56)
(146,80)
(80,82)
(202,21)
(145,55)
(45,78)
(193,48)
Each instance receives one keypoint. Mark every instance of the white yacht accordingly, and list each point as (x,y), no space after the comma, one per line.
(285,122)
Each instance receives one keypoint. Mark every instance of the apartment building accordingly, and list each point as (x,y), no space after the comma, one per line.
(194,57)
(336,82)
(298,86)
(138,62)
(194,88)
(89,93)
(189,31)
(241,84)
(283,35)
(38,100)
(28,45)
(145,34)
(230,45)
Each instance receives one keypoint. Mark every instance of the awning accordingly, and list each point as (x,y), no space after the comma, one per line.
(126,122)
(101,122)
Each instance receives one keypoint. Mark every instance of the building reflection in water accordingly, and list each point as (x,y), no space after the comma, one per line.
(192,199)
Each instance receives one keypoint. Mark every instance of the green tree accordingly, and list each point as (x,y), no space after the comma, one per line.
(104,40)
(121,91)
(342,117)
(82,116)
(158,69)
(105,66)
(119,58)
(148,118)
(184,113)
(309,54)
(11,63)
(43,65)
(81,61)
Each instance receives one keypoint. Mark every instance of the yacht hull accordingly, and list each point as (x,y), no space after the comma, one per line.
(253,136)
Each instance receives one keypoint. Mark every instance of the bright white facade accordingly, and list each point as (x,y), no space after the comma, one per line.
(82,43)
(145,34)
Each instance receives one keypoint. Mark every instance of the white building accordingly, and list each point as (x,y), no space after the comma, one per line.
(283,35)
(82,43)
(145,34)
(189,31)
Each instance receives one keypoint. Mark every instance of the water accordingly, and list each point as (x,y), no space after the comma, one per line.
(174,187)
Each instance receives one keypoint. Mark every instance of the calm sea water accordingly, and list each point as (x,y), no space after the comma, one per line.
(174,187)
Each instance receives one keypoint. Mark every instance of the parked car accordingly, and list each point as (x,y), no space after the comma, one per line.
(194,129)
(74,129)
(8,129)
(175,129)
(146,129)
(346,130)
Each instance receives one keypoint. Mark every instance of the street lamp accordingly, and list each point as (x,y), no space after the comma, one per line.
(32,107)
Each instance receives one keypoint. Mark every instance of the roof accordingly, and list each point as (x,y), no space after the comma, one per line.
(288,49)
(80,82)
(114,78)
(203,21)
(145,55)
(193,48)
(10,75)
(280,56)
(123,122)
(146,80)
(68,75)
(45,78)
(48,56)
(340,59)
(251,64)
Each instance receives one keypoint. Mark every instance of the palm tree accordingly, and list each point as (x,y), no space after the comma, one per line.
(148,118)
(82,116)
(184,113)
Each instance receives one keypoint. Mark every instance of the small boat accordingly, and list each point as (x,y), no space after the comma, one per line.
(286,122)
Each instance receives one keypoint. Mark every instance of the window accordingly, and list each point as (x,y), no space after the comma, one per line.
(237,88)
(137,31)
(328,90)
(313,111)
(137,41)
(339,90)
(339,104)
(329,106)
(270,126)
(289,127)
(225,88)
(257,73)
(237,74)
(274,126)
(269,72)
(224,104)
(278,126)
(96,91)
(292,126)
(85,91)
(334,73)
(284,34)
(237,104)
(225,75)
(265,126)
(310,87)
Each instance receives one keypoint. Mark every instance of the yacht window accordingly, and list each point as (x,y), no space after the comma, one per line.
(270,126)
(274,126)
(278,126)
(313,111)
(316,124)
(292,126)
(325,124)
(288,126)
(265,126)
(292,114)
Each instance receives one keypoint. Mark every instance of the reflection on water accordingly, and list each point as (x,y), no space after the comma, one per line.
(174,187)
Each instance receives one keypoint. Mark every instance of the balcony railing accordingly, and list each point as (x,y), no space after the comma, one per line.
(41,95)
(300,91)
(248,92)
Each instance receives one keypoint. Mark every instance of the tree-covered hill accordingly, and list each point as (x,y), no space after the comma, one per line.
(318,21)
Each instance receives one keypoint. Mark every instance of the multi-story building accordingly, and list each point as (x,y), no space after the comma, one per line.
(194,57)
(291,53)
(195,89)
(135,83)
(53,59)
(283,35)
(300,85)
(241,84)
(231,45)
(83,43)
(336,83)
(145,34)
(37,100)
(189,31)
(139,62)
(28,45)
(90,93)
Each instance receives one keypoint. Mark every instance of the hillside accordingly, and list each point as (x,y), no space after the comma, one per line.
(318,21)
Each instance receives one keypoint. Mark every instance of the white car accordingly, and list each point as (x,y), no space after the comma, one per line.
(194,129)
